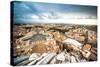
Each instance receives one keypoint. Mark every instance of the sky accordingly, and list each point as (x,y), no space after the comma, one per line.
(36,12)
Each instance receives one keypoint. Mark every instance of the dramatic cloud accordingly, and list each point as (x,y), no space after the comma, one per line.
(33,12)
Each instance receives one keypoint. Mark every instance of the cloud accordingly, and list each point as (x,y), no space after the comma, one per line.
(30,12)
(64,16)
(35,17)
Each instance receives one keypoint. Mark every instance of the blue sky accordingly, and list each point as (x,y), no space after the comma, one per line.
(30,12)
